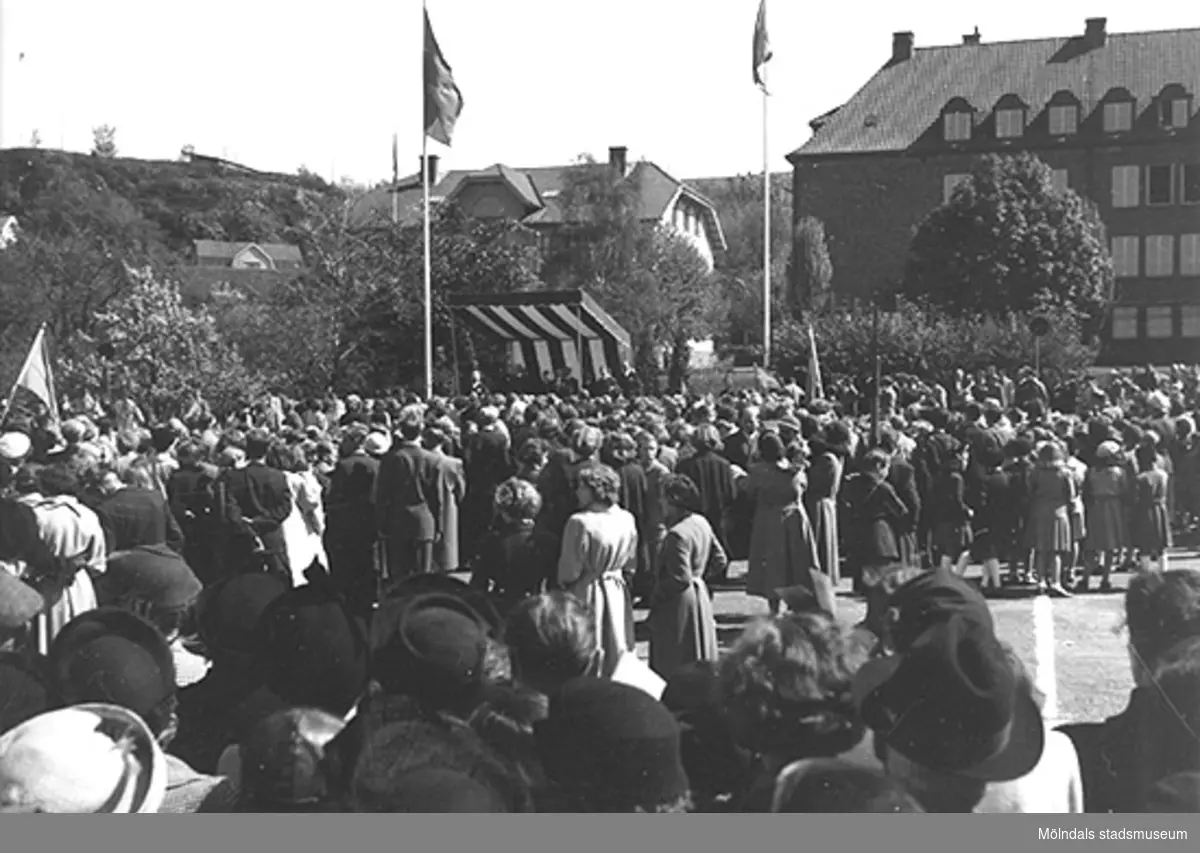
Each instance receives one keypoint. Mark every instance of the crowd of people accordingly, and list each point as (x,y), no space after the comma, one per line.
(407,605)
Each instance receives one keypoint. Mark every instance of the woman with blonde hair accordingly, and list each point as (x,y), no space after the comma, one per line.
(599,552)
(1051,494)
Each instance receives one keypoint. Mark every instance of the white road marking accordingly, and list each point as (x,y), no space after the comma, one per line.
(1044,651)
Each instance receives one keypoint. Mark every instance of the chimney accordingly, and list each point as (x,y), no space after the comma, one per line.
(972,38)
(1096,33)
(618,160)
(433,170)
(902,47)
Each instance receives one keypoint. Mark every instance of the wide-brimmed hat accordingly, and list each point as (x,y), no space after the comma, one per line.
(930,599)
(953,703)
(228,611)
(88,759)
(15,446)
(19,602)
(153,574)
(113,656)
(431,646)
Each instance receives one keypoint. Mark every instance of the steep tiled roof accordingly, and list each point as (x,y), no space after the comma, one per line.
(538,186)
(905,98)
(226,251)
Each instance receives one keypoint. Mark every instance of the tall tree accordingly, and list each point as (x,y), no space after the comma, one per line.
(649,277)
(1006,240)
(104,141)
(810,270)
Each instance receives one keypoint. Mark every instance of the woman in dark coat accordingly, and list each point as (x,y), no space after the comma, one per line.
(682,627)
(1151,524)
(713,476)
(995,517)
(830,452)
(872,506)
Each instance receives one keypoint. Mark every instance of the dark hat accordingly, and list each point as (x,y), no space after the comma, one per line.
(479,601)
(112,656)
(930,599)
(311,651)
(432,646)
(23,686)
(691,687)
(282,757)
(438,790)
(19,602)
(151,573)
(228,611)
(953,703)
(817,595)
(607,739)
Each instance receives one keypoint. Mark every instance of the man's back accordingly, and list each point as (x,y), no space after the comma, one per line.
(133,517)
(405,489)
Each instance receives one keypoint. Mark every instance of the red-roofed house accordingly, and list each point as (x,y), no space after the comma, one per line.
(529,196)
(1114,114)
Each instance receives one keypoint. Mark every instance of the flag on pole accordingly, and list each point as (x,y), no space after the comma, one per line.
(762,45)
(443,100)
(816,390)
(36,377)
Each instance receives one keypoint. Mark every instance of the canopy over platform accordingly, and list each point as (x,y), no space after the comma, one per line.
(548,330)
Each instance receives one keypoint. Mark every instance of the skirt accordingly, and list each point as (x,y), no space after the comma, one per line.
(612,613)
(1050,532)
(1151,529)
(1106,529)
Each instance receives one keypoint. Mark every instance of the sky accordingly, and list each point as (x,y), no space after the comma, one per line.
(280,85)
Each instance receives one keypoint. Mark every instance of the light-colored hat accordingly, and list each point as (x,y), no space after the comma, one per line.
(377,444)
(74,430)
(1107,450)
(87,759)
(14,446)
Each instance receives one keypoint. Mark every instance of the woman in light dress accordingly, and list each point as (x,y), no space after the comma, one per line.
(304,528)
(599,553)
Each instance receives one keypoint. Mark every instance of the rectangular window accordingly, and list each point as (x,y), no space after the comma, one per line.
(1124,324)
(1125,186)
(1191,183)
(1009,123)
(1190,325)
(1159,185)
(1118,117)
(949,183)
(1060,180)
(1064,121)
(1189,254)
(1125,257)
(1160,321)
(1160,255)
(1180,109)
(957,126)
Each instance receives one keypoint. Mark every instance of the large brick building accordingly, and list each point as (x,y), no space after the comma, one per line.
(1113,114)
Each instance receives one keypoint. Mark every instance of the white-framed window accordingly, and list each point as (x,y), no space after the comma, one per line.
(1160,321)
(949,182)
(1178,112)
(1160,255)
(1061,181)
(1118,116)
(1189,326)
(1010,123)
(1190,179)
(1124,324)
(1160,184)
(1064,120)
(1125,186)
(1189,254)
(956,126)
(1125,257)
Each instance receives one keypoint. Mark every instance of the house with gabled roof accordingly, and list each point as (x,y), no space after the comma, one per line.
(1114,116)
(530,196)
(258,256)
(251,269)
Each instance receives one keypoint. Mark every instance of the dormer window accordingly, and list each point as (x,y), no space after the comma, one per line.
(1118,111)
(1174,107)
(1010,123)
(958,119)
(1064,120)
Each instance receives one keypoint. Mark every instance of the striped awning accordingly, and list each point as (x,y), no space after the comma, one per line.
(549,330)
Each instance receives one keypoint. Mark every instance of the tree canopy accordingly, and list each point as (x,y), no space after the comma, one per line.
(1007,240)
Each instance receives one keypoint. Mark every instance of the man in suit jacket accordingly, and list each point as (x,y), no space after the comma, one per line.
(136,513)
(263,501)
(405,491)
(487,460)
(350,531)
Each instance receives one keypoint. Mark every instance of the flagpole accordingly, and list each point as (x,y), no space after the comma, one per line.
(766,231)
(395,184)
(428,271)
